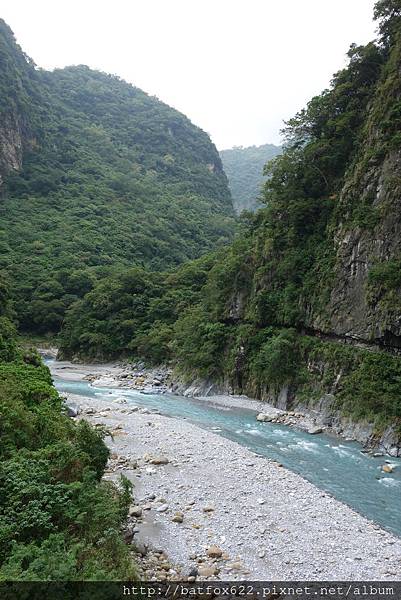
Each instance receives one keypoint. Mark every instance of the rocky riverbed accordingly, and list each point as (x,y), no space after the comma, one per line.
(206,507)
(160,380)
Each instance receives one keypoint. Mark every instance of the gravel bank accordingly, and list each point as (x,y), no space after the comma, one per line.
(266,522)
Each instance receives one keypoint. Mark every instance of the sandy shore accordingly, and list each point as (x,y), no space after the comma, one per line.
(267,522)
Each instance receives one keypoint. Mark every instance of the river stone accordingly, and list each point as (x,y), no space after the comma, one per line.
(273,414)
(135,511)
(208,571)
(72,409)
(162,508)
(387,469)
(159,460)
(315,430)
(120,400)
(214,552)
(263,417)
(178,518)
(142,548)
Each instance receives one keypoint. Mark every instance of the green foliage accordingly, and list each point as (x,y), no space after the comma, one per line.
(373,388)
(388,15)
(133,313)
(368,382)
(278,360)
(110,177)
(200,343)
(19,81)
(386,275)
(58,520)
(244,169)
(50,495)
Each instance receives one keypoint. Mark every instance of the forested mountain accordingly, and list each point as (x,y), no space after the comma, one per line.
(305,304)
(96,174)
(244,169)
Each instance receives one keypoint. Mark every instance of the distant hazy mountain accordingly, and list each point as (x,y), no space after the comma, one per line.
(244,169)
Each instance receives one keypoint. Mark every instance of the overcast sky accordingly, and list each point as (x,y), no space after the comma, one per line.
(236,68)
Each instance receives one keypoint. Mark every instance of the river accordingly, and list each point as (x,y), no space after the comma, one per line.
(333,465)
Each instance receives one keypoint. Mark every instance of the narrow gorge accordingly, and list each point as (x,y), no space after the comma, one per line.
(254,349)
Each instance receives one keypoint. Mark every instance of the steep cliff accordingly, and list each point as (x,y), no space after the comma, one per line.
(365,298)
(19,92)
(304,307)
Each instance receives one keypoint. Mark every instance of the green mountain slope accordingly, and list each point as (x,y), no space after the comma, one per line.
(96,174)
(244,169)
(304,306)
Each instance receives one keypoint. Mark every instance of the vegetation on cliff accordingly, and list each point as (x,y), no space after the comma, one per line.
(246,318)
(244,169)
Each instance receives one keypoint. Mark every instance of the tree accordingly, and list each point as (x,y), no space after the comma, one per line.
(388,15)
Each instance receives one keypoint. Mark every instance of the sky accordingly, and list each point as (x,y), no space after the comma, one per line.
(236,68)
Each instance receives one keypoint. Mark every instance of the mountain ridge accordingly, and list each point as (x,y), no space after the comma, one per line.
(97,174)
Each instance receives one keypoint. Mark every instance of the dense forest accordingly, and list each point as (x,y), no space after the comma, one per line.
(97,174)
(244,168)
(315,269)
(54,508)
(95,177)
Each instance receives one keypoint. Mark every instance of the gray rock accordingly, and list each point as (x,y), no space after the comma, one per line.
(178,519)
(135,511)
(214,552)
(141,548)
(73,410)
(315,430)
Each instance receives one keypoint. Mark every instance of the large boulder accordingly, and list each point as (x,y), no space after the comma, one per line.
(267,416)
(72,409)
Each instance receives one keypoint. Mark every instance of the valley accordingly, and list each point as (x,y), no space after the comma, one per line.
(206,476)
(225,326)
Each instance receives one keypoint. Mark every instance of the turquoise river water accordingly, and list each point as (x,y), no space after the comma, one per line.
(333,465)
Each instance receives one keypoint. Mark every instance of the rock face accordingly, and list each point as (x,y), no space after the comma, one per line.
(353,310)
(344,292)
(11,146)
(18,79)
(364,303)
